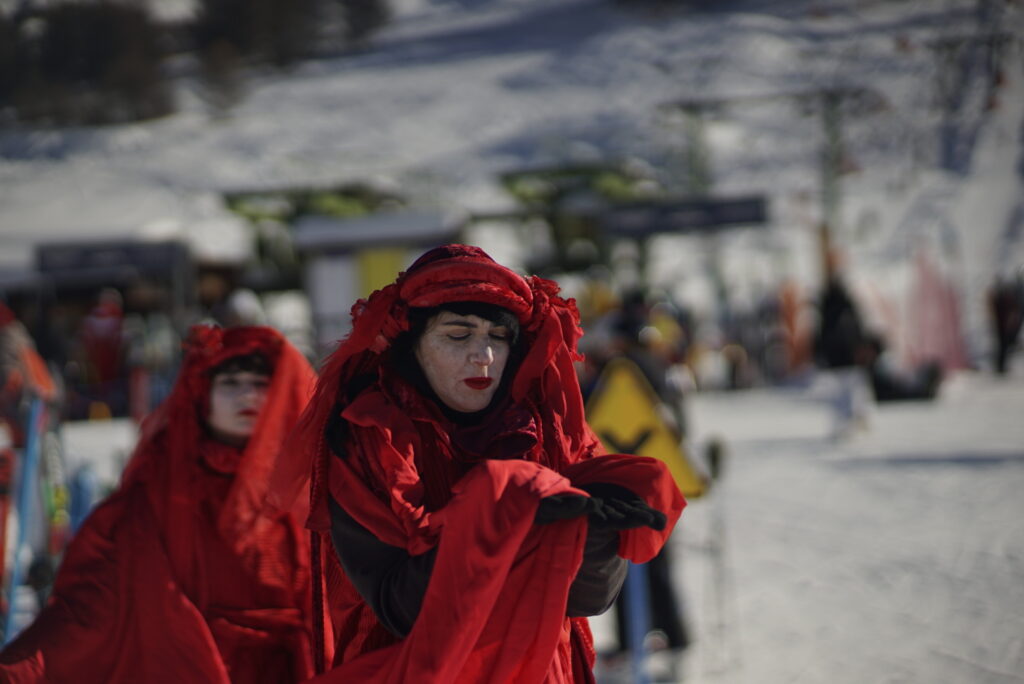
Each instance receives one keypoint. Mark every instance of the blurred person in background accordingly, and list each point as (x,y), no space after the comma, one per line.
(652,339)
(838,345)
(242,307)
(475,520)
(23,375)
(841,330)
(889,382)
(1006,311)
(101,339)
(25,380)
(179,575)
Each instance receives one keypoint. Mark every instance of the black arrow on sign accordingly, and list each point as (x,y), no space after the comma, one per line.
(623,448)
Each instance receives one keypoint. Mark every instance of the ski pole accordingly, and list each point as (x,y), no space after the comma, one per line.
(25,500)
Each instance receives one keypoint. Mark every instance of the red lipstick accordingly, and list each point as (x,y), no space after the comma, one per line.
(479,383)
(248,412)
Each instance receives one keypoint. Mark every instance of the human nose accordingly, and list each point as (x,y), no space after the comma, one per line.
(482,354)
(251,391)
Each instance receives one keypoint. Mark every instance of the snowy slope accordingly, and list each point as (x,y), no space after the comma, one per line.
(454,92)
(896,556)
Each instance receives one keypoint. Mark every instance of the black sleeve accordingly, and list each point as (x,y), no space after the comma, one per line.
(390,580)
(600,577)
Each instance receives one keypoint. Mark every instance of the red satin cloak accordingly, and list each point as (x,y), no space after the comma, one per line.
(495,607)
(178,577)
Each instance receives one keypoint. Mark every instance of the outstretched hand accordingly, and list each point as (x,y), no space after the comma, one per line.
(609,507)
(616,508)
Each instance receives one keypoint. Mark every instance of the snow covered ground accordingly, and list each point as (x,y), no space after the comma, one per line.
(896,555)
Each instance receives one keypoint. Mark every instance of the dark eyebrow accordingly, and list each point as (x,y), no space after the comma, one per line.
(470,325)
(461,324)
(235,375)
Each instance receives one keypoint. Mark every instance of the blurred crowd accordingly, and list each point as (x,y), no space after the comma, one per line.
(112,360)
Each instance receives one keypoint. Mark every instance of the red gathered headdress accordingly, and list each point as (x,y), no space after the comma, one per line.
(451,273)
(168,458)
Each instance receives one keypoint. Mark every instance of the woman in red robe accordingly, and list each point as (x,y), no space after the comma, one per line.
(180,575)
(470,520)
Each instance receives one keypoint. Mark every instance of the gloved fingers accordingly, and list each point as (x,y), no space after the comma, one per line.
(617,514)
(608,491)
(658,520)
(622,511)
(561,507)
(621,508)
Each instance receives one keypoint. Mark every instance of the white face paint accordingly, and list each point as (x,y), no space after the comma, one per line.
(235,402)
(463,358)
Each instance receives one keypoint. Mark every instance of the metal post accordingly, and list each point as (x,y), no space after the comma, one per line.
(638,618)
(831,158)
(698,158)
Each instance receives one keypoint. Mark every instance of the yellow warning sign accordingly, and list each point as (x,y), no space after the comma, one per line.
(625,412)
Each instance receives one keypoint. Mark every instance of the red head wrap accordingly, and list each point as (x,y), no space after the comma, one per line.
(167,455)
(452,273)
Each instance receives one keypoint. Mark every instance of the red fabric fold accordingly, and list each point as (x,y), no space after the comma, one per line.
(179,576)
(495,607)
(494,610)
(100,628)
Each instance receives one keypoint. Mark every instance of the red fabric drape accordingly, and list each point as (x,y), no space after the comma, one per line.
(179,576)
(495,607)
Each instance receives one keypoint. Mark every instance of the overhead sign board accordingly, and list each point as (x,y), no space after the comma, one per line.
(626,414)
(638,219)
(332,235)
(111,261)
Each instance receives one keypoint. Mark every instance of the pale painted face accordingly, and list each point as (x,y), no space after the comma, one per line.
(463,358)
(236,398)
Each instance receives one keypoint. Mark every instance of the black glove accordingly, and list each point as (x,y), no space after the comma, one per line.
(614,507)
(561,507)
